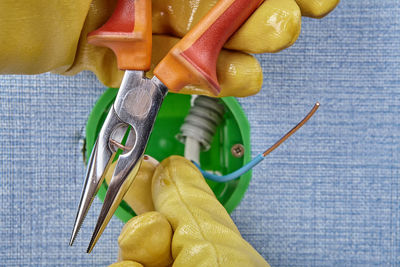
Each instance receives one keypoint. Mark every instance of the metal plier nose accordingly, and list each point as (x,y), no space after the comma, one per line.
(131,117)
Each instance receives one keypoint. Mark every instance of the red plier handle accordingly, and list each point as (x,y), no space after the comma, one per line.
(193,60)
(128,34)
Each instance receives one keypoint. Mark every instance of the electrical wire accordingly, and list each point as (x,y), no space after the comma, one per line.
(236,174)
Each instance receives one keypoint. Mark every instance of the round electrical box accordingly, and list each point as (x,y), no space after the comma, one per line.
(222,157)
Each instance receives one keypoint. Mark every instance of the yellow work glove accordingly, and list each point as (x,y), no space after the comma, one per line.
(203,232)
(126,264)
(138,197)
(39,36)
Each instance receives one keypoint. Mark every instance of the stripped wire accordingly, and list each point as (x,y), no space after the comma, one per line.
(260,157)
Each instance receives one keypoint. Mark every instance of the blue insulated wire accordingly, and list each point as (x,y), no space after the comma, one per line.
(260,157)
(233,175)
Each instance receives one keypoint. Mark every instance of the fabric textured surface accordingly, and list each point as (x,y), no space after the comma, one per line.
(328,196)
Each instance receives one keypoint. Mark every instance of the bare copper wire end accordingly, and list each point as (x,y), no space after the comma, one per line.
(119,145)
(293,130)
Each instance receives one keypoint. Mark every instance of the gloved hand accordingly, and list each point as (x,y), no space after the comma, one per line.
(203,232)
(138,197)
(42,36)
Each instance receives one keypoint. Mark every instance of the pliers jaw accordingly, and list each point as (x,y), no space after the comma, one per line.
(100,160)
(134,110)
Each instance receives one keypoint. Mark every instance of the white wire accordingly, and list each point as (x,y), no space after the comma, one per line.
(192,149)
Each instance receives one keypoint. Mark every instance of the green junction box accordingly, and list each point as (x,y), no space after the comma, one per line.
(234,129)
